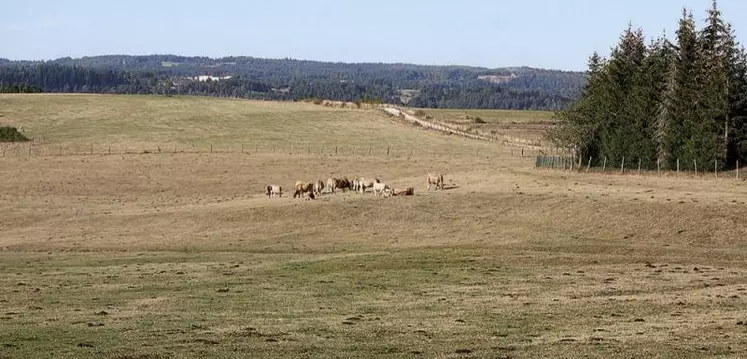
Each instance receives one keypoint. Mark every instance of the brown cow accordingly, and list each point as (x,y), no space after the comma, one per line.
(410,191)
(435,179)
(304,187)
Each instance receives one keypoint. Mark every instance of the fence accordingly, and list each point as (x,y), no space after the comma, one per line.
(399,150)
(572,163)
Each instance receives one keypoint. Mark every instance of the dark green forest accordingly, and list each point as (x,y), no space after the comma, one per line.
(680,103)
(288,79)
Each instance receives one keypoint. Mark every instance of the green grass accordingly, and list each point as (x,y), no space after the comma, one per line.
(75,122)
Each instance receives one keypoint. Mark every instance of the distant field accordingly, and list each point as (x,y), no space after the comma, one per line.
(76,122)
(159,256)
(515,127)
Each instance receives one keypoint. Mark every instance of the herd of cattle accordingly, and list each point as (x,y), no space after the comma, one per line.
(310,190)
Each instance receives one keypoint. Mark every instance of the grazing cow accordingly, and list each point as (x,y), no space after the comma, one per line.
(344,184)
(380,188)
(331,184)
(435,179)
(304,188)
(410,191)
(364,183)
(273,190)
(318,188)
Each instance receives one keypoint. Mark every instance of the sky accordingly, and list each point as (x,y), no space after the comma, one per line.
(554,34)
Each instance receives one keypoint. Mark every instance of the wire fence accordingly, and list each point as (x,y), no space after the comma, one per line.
(41,149)
(694,169)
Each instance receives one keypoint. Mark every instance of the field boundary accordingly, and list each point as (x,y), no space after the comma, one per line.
(573,164)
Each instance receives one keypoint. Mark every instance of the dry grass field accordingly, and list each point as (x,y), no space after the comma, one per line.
(526,128)
(183,256)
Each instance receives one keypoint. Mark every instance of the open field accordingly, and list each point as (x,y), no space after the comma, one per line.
(182,256)
(136,123)
(514,127)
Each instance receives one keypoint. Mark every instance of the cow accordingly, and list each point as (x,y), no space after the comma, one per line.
(380,188)
(331,184)
(344,184)
(435,179)
(318,188)
(273,190)
(410,191)
(304,188)
(364,183)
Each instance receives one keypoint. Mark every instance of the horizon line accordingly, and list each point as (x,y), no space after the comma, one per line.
(292,59)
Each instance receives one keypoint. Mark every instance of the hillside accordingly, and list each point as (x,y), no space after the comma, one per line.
(288,79)
(182,255)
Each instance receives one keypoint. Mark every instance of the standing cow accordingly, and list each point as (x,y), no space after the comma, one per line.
(435,179)
(318,188)
(273,190)
(304,188)
(364,183)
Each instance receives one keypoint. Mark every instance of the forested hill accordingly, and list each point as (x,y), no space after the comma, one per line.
(288,79)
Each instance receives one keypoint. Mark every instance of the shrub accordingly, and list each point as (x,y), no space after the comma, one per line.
(11,134)
(317,101)
(420,113)
(477,119)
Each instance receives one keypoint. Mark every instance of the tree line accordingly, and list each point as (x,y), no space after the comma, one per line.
(287,79)
(667,103)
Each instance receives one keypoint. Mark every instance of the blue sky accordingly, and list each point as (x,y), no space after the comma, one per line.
(558,34)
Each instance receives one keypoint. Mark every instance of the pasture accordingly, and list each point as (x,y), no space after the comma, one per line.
(182,255)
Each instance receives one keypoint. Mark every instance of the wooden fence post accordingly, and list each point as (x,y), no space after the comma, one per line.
(622,166)
(715,168)
(522,152)
(737,170)
(678,167)
(658,167)
(387,151)
(339,145)
(588,165)
(604,166)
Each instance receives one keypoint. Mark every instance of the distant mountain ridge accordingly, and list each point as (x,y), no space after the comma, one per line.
(290,79)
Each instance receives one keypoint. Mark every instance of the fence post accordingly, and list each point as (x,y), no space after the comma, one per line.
(658,167)
(678,167)
(588,165)
(387,151)
(242,147)
(715,168)
(604,166)
(369,150)
(308,148)
(622,166)
(737,170)
(522,152)
(110,149)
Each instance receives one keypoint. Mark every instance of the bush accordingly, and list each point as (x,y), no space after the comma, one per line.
(420,113)
(316,101)
(477,119)
(11,134)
